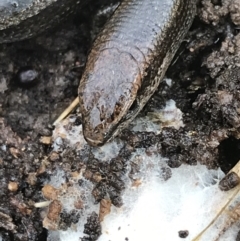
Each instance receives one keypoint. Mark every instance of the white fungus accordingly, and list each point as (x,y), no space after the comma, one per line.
(163,202)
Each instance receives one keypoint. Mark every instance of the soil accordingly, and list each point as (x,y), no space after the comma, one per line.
(206,87)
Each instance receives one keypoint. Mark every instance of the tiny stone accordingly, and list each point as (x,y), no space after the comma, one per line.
(13,186)
(50,192)
(183,233)
(32,179)
(230,181)
(27,77)
(78,121)
(41,169)
(54,156)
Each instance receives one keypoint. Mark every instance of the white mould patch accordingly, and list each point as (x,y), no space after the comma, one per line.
(108,151)
(68,133)
(69,196)
(57,179)
(158,208)
(169,116)
(158,201)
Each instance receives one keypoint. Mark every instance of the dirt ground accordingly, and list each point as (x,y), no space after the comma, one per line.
(206,87)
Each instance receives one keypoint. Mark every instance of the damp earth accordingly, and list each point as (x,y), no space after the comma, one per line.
(39,78)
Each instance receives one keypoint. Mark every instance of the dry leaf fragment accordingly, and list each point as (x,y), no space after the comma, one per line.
(105,208)
(47,140)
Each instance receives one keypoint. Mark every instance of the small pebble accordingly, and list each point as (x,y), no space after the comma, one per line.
(27,77)
(183,233)
(13,186)
(50,192)
(230,181)
(54,156)
(32,179)
(78,121)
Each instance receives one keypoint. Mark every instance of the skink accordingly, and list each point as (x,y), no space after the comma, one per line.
(127,62)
